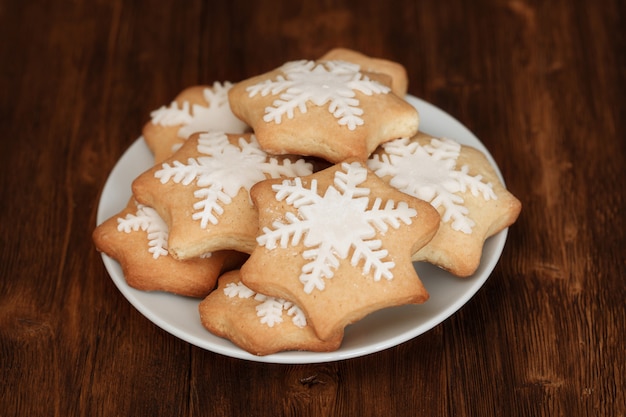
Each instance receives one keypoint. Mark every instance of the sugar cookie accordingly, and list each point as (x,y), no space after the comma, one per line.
(202,191)
(196,109)
(461,184)
(257,323)
(395,70)
(338,244)
(328,109)
(137,238)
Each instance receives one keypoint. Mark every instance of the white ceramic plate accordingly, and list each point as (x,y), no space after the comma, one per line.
(378,331)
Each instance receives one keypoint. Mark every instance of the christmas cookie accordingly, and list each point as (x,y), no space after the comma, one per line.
(137,238)
(257,323)
(338,244)
(330,109)
(195,109)
(202,191)
(461,184)
(395,70)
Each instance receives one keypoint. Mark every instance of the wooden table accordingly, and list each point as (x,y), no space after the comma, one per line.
(542,84)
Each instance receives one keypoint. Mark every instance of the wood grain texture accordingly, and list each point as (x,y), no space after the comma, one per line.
(542,84)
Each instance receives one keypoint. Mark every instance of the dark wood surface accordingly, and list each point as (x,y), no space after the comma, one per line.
(541,83)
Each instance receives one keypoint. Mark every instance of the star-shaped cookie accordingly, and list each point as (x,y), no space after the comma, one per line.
(202,191)
(137,238)
(460,182)
(196,109)
(399,80)
(338,244)
(257,323)
(330,109)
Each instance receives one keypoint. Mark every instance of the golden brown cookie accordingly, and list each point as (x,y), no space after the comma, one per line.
(257,323)
(328,109)
(461,184)
(196,109)
(137,238)
(397,72)
(202,191)
(338,244)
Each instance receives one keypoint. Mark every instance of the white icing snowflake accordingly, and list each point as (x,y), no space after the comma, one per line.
(430,173)
(217,116)
(332,82)
(270,310)
(225,170)
(333,224)
(148,220)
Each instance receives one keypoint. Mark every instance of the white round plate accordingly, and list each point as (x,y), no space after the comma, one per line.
(378,331)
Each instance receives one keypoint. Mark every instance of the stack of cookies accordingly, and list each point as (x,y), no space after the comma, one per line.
(295,202)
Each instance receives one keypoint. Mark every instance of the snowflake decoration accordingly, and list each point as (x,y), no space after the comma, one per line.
(224,169)
(217,116)
(331,225)
(429,172)
(172,115)
(147,220)
(332,82)
(270,310)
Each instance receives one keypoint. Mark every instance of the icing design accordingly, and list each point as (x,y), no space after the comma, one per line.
(270,309)
(429,172)
(333,224)
(216,116)
(147,220)
(223,169)
(330,82)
